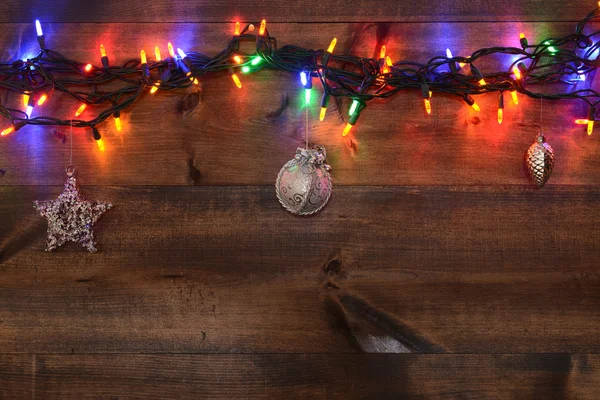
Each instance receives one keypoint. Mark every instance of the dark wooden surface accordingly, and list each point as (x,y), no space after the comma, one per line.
(435,272)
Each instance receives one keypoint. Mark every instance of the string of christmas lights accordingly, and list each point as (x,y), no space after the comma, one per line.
(565,60)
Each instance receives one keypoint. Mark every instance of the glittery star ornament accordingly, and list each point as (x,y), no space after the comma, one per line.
(71,217)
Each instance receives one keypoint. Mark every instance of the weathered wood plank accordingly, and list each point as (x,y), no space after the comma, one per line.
(299,376)
(230,140)
(285,11)
(16,375)
(381,269)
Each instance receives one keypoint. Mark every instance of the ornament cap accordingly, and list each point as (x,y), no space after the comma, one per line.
(70,171)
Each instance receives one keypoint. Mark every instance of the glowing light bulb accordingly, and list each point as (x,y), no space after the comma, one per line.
(28,111)
(42,99)
(590,127)
(102,50)
(237,59)
(322,114)
(581,121)
(551,49)
(196,81)
(81,109)
(236,30)
(482,82)
(245,69)
(101,145)
(118,124)
(500,115)
(332,45)
(521,35)
(88,68)
(25,99)
(347,129)
(307,95)
(181,53)
(515,97)
(143,57)
(448,53)
(263,27)
(303,78)
(353,107)
(427,105)
(171,50)
(517,72)
(155,88)
(236,80)
(38,28)
(8,131)
(382,52)
(256,60)
(157,53)
(476,107)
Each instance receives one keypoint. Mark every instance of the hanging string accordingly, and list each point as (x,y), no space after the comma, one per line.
(71,140)
(306,128)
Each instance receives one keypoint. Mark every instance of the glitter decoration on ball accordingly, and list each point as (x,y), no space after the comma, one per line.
(70,217)
(540,161)
(304,184)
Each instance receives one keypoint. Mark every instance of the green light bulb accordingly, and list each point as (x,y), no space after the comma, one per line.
(307,93)
(256,60)
(245,69)
(551,49)
(353,107)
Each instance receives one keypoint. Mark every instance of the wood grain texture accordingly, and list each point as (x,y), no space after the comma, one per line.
(16,376)
(315,376)
(381,269)
(286,11)
(230,139)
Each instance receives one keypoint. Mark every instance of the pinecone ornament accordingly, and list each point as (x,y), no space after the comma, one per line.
(540,161)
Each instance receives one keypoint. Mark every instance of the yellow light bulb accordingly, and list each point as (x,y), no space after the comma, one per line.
(154,88)
(521,35)
(102,50)
(581,121)
(236,80)
(322,114)
(427,105)
(590,127)
(237,59)
(171,50)
(157,53)
(347,129)
(236,30)
(143,57)
(196,81)
(515,97)
(382,52)
(7,131)
(42,99)
(100,144)
(332,45)
(482,82)
(500,115)
(25,99)
(517,72)
(476,107)
(81,108)
(88,68)
(263,27)
(118,124)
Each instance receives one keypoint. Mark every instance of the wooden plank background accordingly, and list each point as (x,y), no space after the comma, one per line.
(204,287)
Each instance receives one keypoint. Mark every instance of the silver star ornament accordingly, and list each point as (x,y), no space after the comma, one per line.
(70,217)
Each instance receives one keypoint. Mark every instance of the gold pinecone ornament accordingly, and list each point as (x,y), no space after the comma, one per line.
(540,161)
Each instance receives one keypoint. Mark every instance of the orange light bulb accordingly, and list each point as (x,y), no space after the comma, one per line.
(236,30)
(42,99)
(7,131)
(236,80)
(427,105)
(143,57)
(81,108)
(500,115)
(515,97)
(102,50)
(154,88)
(157,53)
(517,72)
(382,52)
(263,27)
(237,59)
(171,50)
(101,145)
(118,124)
